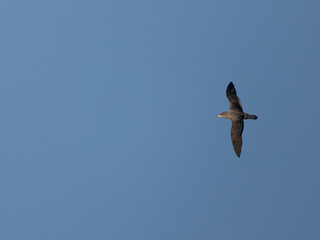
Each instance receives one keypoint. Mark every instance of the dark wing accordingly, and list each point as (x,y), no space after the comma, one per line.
(236,132)
(235,103)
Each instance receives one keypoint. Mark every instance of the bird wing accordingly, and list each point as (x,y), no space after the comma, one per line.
(235,103)
(236,132)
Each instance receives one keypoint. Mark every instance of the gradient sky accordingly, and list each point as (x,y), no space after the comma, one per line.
(108,128)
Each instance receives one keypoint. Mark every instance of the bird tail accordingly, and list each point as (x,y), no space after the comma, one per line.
(248,116)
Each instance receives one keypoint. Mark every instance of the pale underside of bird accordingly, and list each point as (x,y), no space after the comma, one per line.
(236,115)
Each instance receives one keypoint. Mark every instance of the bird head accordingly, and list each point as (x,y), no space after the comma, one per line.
(222,115)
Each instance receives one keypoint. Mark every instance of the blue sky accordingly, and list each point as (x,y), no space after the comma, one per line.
(108,127)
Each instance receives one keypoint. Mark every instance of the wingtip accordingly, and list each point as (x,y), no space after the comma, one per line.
(230,87)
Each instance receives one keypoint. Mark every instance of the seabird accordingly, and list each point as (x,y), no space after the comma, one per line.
(236,115)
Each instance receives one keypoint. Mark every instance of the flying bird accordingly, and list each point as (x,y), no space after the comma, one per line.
(236,115)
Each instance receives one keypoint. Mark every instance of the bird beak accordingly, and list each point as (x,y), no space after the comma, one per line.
(218,116)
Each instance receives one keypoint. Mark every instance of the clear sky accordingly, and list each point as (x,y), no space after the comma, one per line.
(108,128)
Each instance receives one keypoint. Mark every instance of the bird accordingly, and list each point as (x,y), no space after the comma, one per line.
(236,115)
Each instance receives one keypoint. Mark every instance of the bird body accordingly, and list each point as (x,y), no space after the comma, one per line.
(236,115)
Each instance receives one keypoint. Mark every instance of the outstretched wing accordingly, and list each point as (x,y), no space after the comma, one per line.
(236,132)
(235,103)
